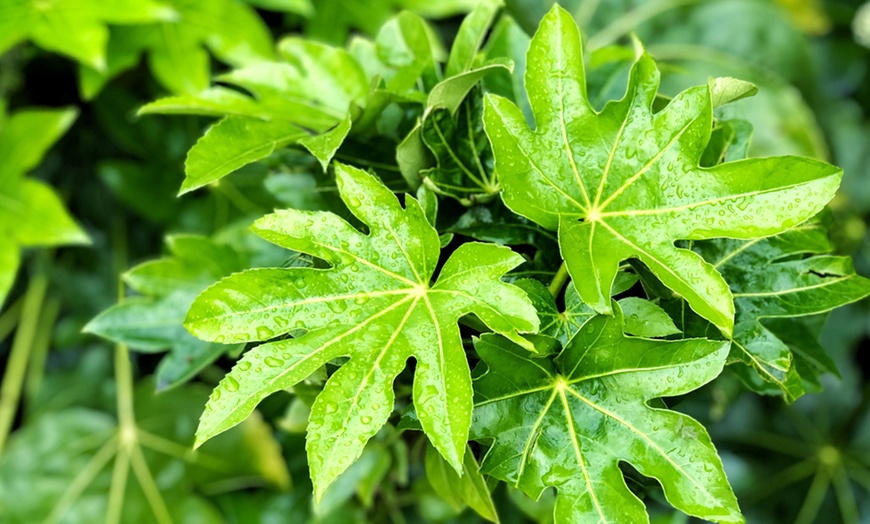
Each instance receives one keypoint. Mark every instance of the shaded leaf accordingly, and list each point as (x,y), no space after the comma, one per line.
(568,422)
(782,278)
(153,321)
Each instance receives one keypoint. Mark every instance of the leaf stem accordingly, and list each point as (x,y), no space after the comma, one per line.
(16,368)
(559,280)
(39,354)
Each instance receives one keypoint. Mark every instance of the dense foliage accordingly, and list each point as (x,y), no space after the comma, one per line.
(433,261)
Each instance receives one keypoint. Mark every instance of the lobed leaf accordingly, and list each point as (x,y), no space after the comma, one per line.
(376,305)
(568,422)
(627,182)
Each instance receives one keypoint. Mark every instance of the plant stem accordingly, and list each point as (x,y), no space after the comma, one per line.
(9,318)
(10,391)
(559,280)
(39,354)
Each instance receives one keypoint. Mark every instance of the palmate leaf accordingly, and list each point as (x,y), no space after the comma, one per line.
(568,422)
(626,182)
(774,284)
(377,306)
(306,99)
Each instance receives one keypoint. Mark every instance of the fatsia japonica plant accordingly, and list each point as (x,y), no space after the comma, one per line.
(488,256)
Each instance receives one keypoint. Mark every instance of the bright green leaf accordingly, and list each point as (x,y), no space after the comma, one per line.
(726,90)
(377,306)
(470,37)
(324,145)
(232,143)
(568,422)
(76,28)
(626,182)
(646,319)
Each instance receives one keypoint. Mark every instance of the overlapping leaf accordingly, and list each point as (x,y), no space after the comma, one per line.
(377,306)
(569,422)
(775,281)
(31,213)
(178,46)
(313,90)
(76,28)
(153,322)
(626,182)
(464,169)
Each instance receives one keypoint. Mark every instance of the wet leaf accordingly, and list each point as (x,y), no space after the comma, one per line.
(568,422)
(626,182)
(376,305)
(775,281)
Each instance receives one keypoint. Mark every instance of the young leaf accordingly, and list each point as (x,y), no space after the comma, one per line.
(377,306)
(568,422)
(769,283)
(233,143)
(153,322)
(626,182)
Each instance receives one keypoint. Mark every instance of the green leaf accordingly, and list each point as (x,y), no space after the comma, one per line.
(31,213)
(178,47)
(779,279)
(153,321)
(232,143)
(470,37)
(646,319)
(324,145)
(468,489)
(569,422)
(626,182)
(564,324)
(464,165)
(76,28)
(59,467)
(726,90)
(375,305)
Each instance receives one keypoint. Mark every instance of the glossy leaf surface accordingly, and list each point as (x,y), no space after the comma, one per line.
(626,182)
(775,281)
(376,305)
(568,422)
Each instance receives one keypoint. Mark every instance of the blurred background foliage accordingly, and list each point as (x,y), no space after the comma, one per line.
(70,457)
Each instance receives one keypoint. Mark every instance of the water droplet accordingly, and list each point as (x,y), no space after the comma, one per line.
(365,419)
(273,362)
(231,384)
(264,333)
(244,365)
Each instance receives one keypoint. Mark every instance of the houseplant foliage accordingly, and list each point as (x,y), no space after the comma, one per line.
(504,271)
